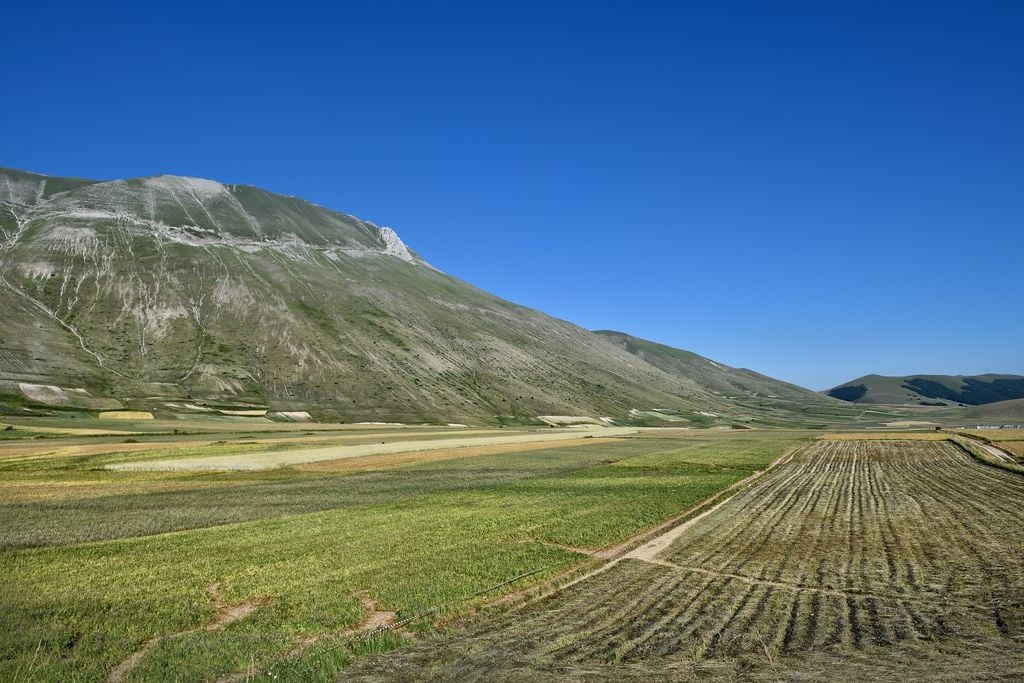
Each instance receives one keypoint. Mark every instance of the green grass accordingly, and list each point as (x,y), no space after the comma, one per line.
(414,537)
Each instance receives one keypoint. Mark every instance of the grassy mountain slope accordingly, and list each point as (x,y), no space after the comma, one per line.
(931,389)
(1011,411)
(747,393)
(168,289)
(711,375)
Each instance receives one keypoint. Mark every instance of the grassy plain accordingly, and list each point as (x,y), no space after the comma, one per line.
(101,564)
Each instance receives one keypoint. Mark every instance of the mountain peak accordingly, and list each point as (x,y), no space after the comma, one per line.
(198,212)
(394,245)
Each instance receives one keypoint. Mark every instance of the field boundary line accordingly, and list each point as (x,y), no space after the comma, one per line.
(797,587)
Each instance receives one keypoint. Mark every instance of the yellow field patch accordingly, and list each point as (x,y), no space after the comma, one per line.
(51,449)
(125,415)
(374,462)
(70,431)
(1015,447)
(34,491)
(300,456)
(997,434)
(905,436)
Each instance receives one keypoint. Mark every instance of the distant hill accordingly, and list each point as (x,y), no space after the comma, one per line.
(1004,411)
(931,390)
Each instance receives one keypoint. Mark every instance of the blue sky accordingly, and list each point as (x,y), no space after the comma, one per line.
(814,190)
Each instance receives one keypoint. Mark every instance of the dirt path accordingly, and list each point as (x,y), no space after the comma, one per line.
(781,585)
(994,451)
(673,529)
(272,459)
(569,548)
(225,614)
(374,619)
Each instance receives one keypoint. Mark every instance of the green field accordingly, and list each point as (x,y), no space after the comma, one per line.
(98,563)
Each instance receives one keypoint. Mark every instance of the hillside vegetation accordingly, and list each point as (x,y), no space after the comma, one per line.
(754,398)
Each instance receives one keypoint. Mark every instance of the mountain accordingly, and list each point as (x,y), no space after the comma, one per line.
(178,293)
(931,390)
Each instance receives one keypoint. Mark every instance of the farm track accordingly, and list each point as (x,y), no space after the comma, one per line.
(993,450)
(851,547)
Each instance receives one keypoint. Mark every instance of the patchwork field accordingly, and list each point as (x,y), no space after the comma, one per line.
(125,575)
(890,555)
(300,456)
(858,559)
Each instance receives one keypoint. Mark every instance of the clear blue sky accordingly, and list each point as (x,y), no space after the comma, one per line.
(816,190)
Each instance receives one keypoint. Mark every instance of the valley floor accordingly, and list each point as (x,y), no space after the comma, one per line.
(127,575)
(668,554)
